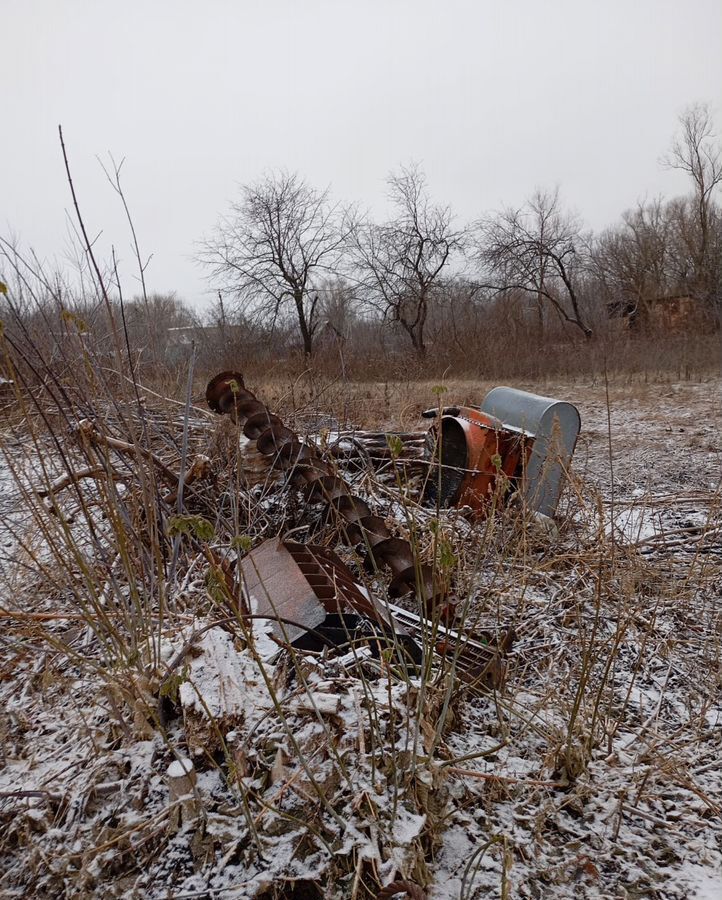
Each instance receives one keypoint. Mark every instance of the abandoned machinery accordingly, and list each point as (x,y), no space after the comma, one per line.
(475,455)
(513,439)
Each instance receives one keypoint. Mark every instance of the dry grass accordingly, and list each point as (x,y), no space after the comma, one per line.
(606,728)
(398,404)
(593,769)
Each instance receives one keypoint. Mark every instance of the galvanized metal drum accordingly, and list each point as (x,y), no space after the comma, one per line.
(554,427)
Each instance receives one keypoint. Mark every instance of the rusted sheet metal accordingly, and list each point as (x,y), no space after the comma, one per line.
(301,587)
(515,439)
(476,458)
(307,470)
(302,583)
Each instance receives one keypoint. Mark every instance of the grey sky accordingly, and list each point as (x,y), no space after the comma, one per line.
(493,98)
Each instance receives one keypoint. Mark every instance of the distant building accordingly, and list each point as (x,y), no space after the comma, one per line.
(674,313)
(671,314)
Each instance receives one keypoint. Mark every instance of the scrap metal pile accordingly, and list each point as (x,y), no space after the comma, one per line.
(514,444)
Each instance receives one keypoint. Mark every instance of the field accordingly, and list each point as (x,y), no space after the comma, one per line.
(590,768)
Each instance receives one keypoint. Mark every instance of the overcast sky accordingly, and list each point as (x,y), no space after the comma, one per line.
(493,98)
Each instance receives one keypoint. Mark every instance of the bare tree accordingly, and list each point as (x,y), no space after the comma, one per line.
(536,250)
(695,151)
(151,321)
(338,305)
(402,262)
(631,263)
(668,250)
(274,248)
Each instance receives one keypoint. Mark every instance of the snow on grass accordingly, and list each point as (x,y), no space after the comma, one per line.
(337,778)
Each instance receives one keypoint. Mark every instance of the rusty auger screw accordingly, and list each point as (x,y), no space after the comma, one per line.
(226,394)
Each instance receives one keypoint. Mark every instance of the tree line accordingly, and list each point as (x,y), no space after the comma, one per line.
(520,291)
(286,256)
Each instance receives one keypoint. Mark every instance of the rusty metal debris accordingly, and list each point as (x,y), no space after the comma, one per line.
(402,887)
(306,589)
(480,660)
(476,456)
(303,586)
(478,453)
(301,583)
(515,439)
(317,478)
(379,448)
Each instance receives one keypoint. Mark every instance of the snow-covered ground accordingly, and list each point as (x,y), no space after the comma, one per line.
(596,772)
